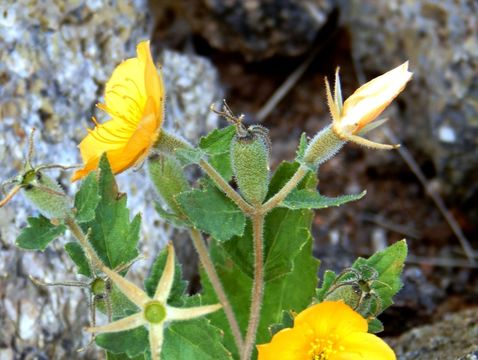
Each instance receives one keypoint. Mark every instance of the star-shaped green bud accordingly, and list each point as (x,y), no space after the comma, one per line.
(155,312)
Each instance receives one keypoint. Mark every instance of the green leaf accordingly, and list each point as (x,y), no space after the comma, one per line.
(375,326)
(311,199)
(290,269)
(286,322)
(194,339)
(170,218)
(218,141)
(76,253)
(112,356)
(112,234)
(86,199)
(212,212)
(217,146)
(222,163)
(132,342)
(189,156)
(39,233)
(389,266)
(179,285)
(302,147)
(329,277)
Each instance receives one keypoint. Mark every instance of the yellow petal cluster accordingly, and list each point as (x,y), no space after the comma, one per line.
(330,330)
(134,99)
(365,104)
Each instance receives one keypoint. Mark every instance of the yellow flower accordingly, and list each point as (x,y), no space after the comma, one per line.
(355,115)
(134,98)
(330,330)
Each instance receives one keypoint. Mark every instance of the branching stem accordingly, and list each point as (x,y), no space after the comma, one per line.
(206,262)
(224,186)
(78,233)
(286,189)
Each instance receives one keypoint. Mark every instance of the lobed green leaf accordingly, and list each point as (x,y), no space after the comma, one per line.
(212,212)
(311,199)
(87,199)
(38,233)
(112,234)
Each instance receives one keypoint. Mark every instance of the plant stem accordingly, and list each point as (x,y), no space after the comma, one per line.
(286,189)
(257,286)
(85,244)
(224,186)
(206,262)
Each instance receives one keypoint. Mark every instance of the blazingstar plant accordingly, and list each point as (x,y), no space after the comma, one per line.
(260,295)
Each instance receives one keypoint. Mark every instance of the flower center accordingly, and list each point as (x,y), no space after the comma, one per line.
(324,348)
(154,312)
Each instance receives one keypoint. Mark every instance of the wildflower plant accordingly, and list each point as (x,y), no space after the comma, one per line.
(260,295)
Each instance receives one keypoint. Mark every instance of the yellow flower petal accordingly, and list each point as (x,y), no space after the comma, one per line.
(368,101)
(134,98)
(361,346)
(328,331)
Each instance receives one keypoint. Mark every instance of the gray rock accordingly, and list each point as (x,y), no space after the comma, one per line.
(55,58)
(440,105)
(258,29)
(453,338)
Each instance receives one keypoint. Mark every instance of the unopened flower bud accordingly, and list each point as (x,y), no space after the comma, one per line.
(250,151)
(168,179)
(45,194)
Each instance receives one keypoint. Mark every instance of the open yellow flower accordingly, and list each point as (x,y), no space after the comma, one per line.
(134,98)
(356,114)
(330,330)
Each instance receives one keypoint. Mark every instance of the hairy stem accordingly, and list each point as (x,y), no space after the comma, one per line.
(206,262)
(90,253)
(286,189)
(257,286)
(224,186)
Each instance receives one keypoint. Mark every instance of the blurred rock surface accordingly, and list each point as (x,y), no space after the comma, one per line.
(55,58)
(453,338)
(440,38)
(257,29)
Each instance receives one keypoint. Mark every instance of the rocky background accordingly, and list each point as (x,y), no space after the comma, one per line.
(55,57)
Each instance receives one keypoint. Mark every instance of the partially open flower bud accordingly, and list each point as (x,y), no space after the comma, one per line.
(250,151)
(168,179)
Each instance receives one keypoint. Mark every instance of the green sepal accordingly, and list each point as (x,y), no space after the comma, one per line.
(87,199)
(301,148)
(375,326)
(179,285)
(287,321)
(76,253)
(311,199)
(112,234)
(38,233)
(212,212)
